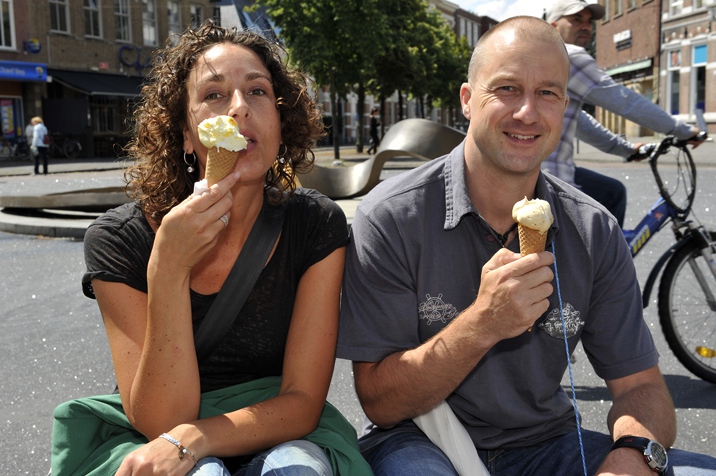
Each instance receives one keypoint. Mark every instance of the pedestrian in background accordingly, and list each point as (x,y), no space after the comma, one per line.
(374,124)
(29,130)
(40,144)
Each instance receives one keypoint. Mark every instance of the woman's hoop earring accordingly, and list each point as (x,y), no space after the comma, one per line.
(280,157)
(190,166)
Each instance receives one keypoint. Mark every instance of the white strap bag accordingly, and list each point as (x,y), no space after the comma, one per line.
(447,433)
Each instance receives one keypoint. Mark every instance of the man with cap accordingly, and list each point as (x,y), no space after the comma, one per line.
(589,84)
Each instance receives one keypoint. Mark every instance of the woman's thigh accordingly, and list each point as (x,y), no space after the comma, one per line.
(293,458)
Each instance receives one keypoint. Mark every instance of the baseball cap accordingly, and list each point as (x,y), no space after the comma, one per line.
(562,8)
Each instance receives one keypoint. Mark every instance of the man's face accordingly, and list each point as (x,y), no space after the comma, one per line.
(576,29)
(516,103)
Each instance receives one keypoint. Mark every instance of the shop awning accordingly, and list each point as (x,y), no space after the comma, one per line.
(98,84)
(629,67)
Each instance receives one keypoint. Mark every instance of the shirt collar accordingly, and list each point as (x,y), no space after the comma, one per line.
(457,198)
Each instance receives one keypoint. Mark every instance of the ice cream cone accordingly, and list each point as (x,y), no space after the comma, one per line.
(531,241)
(219,163)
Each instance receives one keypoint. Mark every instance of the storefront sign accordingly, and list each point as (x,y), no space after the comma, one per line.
(21,71)
(32,45)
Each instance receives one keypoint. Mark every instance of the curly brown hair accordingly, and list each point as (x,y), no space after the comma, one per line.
(158,178)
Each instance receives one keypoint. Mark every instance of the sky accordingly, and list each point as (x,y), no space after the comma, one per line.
(502,9)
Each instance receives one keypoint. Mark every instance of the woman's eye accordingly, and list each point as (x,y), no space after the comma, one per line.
(212,96)
(257,92)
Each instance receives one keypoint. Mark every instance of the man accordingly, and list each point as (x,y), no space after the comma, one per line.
(589,84)
(436,303)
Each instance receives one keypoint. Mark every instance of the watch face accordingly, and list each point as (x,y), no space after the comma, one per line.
(657,452)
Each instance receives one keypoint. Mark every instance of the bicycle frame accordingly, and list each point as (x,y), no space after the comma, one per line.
(652,222)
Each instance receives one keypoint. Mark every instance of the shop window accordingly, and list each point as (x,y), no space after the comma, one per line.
(698,78)
(149,22)
(59,16)
(674,81)
(93,23)
(122,30)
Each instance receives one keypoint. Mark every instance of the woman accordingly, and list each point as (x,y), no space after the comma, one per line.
(38,146)
(156,265)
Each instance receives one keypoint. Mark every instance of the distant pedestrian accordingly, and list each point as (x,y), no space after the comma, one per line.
(24,146)
(40,144)
(374,124)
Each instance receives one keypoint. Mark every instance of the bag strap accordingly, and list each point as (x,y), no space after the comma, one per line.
(240,282)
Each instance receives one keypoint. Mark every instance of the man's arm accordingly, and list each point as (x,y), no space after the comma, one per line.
(642,406)
(635,107)
(513,294)
(593,133)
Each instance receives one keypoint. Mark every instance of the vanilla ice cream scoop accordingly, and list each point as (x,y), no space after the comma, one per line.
(221,132)
(221,136)
(534,214)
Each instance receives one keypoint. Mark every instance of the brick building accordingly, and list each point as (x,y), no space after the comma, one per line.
(628,50)
(83,62)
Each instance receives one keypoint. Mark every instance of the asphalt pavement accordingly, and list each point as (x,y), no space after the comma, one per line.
(55,349)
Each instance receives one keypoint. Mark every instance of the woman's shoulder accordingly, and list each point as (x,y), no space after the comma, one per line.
(310,208)
(126,222)
(310,200)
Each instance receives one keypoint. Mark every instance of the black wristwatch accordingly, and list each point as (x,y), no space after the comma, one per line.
(654,454)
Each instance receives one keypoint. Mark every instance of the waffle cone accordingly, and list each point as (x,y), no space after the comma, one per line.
(531,241)
(219,163)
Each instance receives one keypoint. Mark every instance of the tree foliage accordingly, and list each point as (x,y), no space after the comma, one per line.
(377,47)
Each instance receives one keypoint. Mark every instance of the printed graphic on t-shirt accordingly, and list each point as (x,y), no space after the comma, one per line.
(435,309)
(553,324)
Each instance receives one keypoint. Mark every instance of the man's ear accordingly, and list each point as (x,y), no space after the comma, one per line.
(465,95)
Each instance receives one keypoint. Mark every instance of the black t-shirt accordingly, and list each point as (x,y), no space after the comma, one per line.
(117,249)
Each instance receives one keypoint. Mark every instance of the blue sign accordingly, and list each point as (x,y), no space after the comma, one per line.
(32,45)
(22,71)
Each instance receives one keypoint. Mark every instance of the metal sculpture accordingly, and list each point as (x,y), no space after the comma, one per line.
(418,138)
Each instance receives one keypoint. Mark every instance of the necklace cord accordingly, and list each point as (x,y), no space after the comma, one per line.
(569,362)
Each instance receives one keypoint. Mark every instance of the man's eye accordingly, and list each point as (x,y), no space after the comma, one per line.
(212,96)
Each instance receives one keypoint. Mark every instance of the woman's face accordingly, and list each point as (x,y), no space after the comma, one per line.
(232,80)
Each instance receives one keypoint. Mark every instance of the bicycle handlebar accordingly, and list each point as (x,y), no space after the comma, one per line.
(648,151)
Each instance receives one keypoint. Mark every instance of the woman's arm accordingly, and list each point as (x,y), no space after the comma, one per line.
(151,335)
(295,412)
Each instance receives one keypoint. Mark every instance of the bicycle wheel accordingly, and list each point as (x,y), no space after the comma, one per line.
(71,149)
(687,316)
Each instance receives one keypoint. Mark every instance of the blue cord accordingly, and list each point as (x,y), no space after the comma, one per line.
(569,363)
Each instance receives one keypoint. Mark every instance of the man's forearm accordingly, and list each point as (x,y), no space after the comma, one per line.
(644,410)
(410,383)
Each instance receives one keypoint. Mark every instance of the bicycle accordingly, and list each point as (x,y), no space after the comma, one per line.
(686,302)
(62,146)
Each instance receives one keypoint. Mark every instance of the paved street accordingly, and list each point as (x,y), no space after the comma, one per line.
(54,346)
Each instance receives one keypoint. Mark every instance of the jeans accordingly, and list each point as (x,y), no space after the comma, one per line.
(293,458)
(608,191)
(413,454)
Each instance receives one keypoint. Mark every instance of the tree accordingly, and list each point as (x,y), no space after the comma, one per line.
(329,39)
